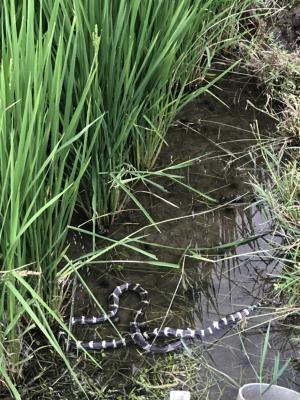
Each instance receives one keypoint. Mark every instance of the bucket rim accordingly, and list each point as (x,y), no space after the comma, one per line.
(264,385)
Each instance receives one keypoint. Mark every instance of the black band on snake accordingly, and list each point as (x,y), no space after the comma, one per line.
(142,339)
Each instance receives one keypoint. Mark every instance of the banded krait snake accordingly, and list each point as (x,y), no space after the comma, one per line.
(137,335)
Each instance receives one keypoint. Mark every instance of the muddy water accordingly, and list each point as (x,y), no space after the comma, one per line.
(211,279)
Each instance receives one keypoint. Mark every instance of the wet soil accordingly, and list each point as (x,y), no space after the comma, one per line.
(286,28)
(224,251)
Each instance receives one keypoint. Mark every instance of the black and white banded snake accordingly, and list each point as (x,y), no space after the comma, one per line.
(140,338)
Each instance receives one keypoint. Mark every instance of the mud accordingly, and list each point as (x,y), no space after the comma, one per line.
(286,28)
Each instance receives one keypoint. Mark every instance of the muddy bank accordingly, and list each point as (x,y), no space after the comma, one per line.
(286,27)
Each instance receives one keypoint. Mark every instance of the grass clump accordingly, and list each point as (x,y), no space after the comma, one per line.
(277,66)
(146,54)
(43,158)
(289,123)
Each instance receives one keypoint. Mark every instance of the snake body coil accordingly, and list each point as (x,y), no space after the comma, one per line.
(141,338)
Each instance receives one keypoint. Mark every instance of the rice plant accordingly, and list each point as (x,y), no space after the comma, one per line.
(147,53)
(87,93)
(43,157)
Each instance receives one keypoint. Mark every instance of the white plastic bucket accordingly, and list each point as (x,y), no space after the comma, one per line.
(263,391)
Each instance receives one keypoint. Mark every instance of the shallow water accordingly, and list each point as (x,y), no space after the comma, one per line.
(224,279)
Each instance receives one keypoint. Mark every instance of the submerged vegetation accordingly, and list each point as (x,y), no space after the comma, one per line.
(86,97)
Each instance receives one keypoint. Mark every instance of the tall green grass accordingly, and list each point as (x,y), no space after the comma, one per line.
(43,158)
(147,54)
